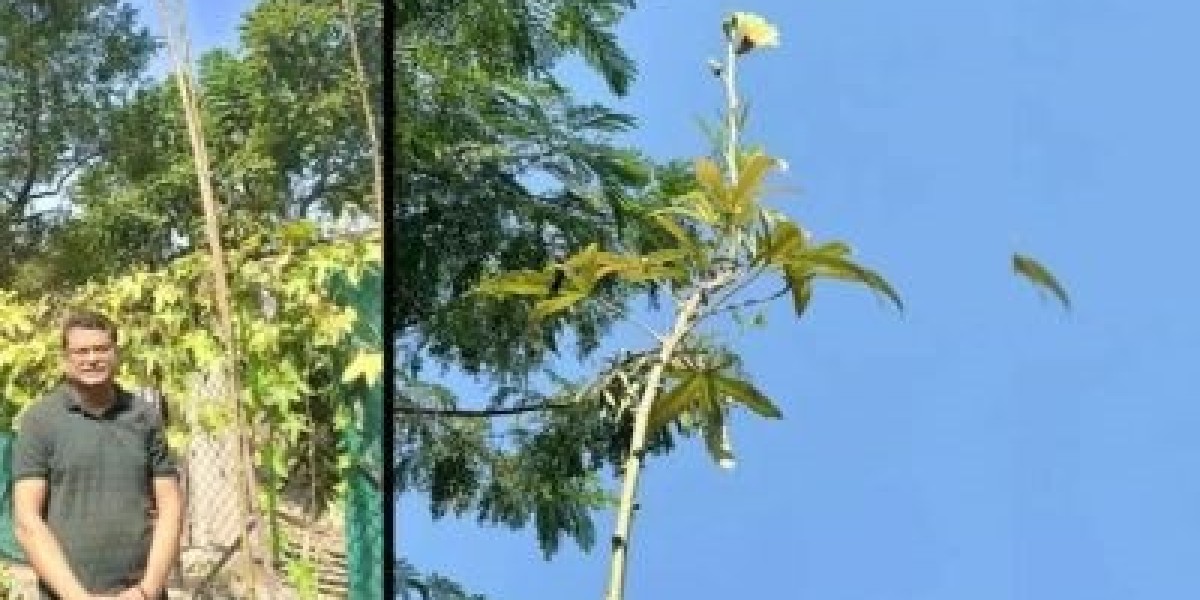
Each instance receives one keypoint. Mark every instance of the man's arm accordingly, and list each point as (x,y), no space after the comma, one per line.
(31,471)
(36,539)
(168,524)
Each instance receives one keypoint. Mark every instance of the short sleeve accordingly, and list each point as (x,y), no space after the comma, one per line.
(31,452)
(162,463)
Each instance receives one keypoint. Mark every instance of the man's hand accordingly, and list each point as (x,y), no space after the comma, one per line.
(168,524)
(40,546)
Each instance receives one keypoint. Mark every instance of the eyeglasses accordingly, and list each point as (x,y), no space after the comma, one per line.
(86,351)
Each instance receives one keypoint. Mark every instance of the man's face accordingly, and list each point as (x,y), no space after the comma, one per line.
(91,356)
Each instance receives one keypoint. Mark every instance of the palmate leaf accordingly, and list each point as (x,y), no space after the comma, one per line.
(559,303)
(661,264)
(702,391)
(830,260)
(562,286)
(688,394)
(800,284)
(586,267)
(367,365)
(1040,276)
(749,396)
(711,181)
(753,171)
(517,283)
(781,244)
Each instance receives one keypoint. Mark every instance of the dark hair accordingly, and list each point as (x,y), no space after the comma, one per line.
(87,319)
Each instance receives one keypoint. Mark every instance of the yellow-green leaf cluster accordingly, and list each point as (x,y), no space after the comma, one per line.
(294,342)
(558,287)
(700,398)
(787,248)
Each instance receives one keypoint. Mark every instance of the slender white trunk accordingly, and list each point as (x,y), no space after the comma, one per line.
(634,461)
(684,322)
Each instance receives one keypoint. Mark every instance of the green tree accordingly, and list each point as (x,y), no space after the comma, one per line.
(414,585)
(65,68)
(285,130)
(497,163)
(499,166)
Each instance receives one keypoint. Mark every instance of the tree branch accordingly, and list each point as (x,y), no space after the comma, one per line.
(482,412)
(748,303)
(60,183)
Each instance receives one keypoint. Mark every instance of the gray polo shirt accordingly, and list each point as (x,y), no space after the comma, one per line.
(99,471)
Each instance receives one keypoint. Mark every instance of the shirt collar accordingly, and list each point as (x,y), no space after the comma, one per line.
(73,401)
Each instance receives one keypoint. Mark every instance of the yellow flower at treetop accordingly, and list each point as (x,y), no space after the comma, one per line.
(749,31)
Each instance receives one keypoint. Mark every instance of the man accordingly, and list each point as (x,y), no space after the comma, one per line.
(91,466)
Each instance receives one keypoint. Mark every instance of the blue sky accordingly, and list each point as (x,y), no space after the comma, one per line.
(983,445)
(210,23)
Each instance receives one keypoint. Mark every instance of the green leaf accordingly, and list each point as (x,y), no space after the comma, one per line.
(708,175)
(293,426)
(800,284)
(1040,276)
(668,406)
(661,264)
(753,171)
(342,418)
(517,283)
(166,295)
(781,244)
(747,395)
(298,233)
(366,365)
(586,267)
(545,308)
(664,257)
(204,349)
(714,133)
(835,248)
(631,167)
(695,206)
(685,240)
(716,439)
(705,390)
(831,262)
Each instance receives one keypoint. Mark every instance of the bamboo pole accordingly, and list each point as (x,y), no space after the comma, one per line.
(252,556)
(364,89)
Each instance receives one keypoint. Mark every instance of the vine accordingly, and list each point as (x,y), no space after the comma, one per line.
(302,364)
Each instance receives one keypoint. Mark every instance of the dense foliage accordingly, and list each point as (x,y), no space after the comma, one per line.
(283,123)
(501,167)
(100,209)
